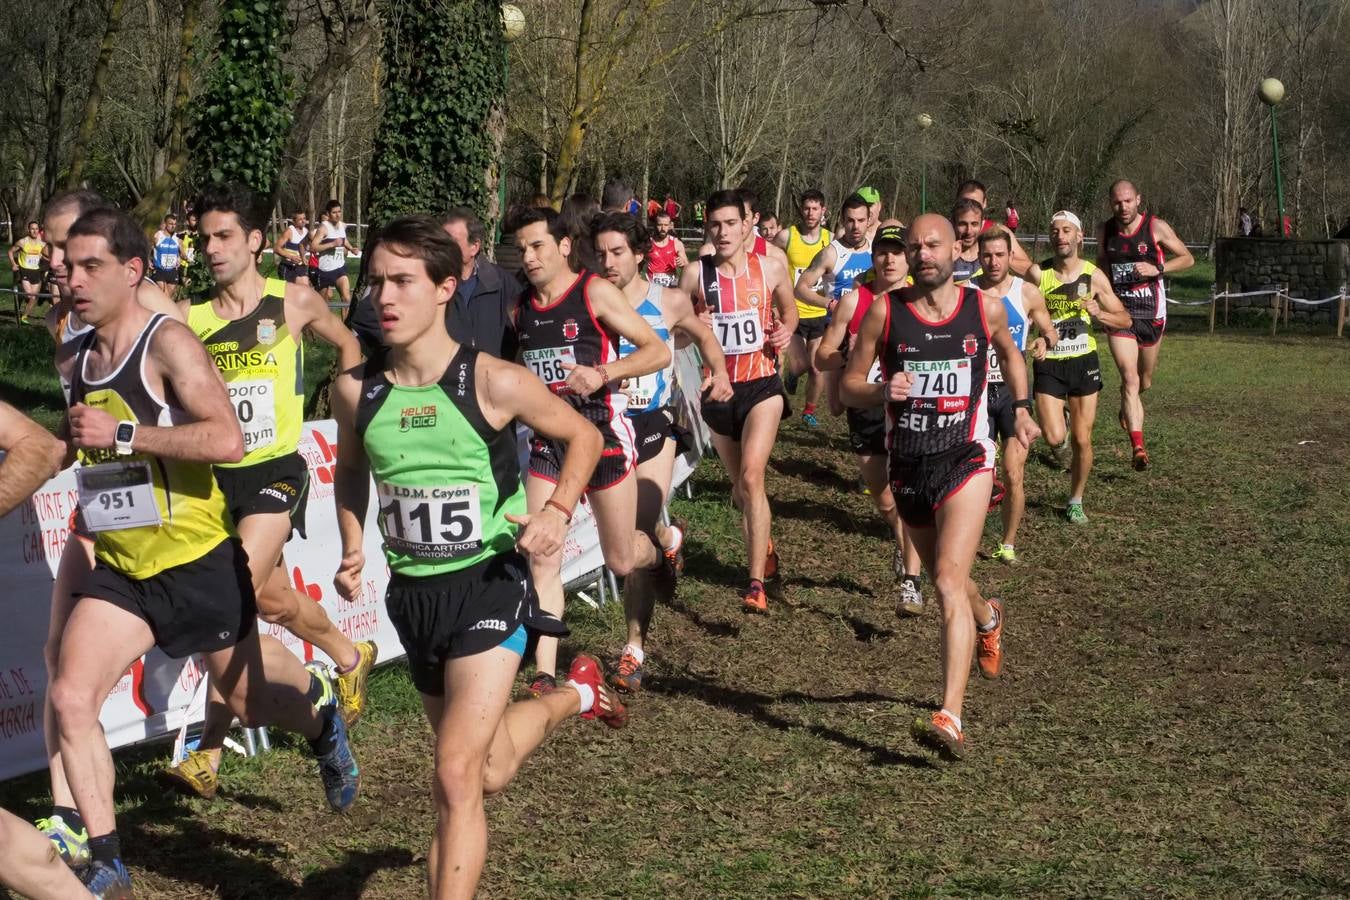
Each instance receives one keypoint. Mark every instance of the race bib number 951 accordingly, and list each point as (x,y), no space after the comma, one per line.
(432,523)
(114,496)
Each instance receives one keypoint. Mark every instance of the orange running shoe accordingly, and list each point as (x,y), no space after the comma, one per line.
(773,576)
(1140,459)
(607,708)
(989,645)
(629,678)
(675,555)
(754,599)
(940,734)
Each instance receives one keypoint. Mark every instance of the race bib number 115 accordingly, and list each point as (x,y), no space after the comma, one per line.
(431,523)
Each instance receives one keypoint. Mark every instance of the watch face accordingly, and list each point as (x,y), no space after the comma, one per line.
(125,431)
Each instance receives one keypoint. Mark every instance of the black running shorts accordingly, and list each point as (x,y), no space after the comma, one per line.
(867,430)
(651,430)
(1080,376)
(921,484)
(165,276)
(1147,332)
(727,417)
(811,329)
(463,613)
(278,485)
(198,607)
(329,277)
(1002,416)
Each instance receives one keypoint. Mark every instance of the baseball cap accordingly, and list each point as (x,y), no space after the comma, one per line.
(870,194)
(1065,216)
(889,234)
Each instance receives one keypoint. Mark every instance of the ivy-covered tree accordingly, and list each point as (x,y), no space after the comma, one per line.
(444,73)
(242,120)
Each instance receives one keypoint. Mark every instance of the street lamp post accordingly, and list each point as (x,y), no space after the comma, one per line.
(1271,92)
(513,26)
(925,121)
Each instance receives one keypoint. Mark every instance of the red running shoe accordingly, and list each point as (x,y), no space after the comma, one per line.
(606,708)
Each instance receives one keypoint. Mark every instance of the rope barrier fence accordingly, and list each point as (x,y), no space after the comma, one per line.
(1281,305)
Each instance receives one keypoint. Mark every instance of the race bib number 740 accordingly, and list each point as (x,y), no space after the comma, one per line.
(944,384)
(431,523)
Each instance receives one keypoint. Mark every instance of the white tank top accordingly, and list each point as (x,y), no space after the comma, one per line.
(331,260)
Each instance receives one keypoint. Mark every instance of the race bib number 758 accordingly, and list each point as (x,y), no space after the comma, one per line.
(547,363)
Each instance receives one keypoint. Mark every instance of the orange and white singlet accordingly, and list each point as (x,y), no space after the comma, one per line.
(742,314)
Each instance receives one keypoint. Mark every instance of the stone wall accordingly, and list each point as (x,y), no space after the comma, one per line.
(1310,269)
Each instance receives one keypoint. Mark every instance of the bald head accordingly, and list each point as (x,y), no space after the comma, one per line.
(1125,202)
(930,247)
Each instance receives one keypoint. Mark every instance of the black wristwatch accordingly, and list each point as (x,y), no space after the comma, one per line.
(1022,404)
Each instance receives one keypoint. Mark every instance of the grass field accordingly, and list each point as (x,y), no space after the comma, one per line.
(1172,722)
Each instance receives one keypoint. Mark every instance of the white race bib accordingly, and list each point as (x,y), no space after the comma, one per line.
(874,373)
(30,260)
(993,374)
(937,379)
(1073,338)
(117,495)
(168,262)
(547,363)
(1124,273)
(255,406)
(738,332)
(641,390)
(432,523)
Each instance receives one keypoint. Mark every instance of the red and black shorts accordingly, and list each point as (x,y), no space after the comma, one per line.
(921,484)
(617,459)
(1147,332)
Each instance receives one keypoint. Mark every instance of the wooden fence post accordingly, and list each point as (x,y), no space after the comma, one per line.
(1340,314)
(1274,311)
(1213,307)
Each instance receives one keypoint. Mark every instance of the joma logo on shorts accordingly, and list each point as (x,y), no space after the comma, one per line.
(488,625)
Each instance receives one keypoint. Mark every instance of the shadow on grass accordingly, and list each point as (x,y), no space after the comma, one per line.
(814,473)
(347,881)
(756,706)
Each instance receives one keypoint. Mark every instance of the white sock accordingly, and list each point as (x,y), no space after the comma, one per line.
(1076,500)
(1006,546)
(955,718)
(636,652)
(677,538)
(587,695)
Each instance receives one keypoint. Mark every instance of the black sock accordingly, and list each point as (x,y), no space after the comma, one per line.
(315,692)
(324,742)
(70,815)
(106,848)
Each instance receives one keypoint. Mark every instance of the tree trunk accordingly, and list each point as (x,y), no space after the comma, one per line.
(156,199)
(337,61)
(54,110)
(94,100)
(578,118)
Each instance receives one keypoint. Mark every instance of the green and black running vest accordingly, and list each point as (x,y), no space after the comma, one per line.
(446,479)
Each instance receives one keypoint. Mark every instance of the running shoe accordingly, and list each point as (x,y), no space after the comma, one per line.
(809,420)
(71,844)
(1074,513)
(23,320)
(1140,459)
(989,645)
(542,684)
(911,599)
(351,686)
(607,707)
(337,764)
(675,555)
(755,600)
(108,882)
(941,734)
(319,670)
(1005,554)
(194,775)
(629,677)
(1063,455)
